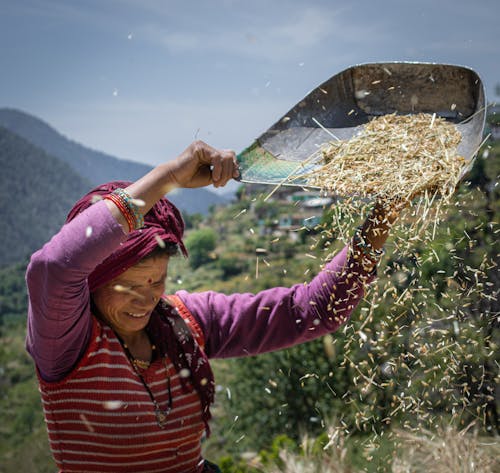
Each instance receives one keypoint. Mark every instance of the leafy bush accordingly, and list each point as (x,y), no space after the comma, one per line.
(200,244)
(231,265)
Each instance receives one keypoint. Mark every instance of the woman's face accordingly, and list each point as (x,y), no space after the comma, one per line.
(126,302)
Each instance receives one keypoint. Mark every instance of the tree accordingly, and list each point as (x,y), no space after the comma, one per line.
(200,244)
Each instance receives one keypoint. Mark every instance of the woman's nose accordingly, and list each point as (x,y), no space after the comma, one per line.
(145,297)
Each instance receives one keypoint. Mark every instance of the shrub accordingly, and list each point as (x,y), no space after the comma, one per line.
(200,244)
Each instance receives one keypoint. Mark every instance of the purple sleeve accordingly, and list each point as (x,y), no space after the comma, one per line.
(247,324)
(59,322)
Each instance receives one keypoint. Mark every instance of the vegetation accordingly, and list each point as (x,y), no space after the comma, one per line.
(23,439)
(93,166)
(446,450)
(200,244)
(37,192)
(418,354)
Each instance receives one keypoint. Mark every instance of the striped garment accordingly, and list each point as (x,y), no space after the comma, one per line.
(101,419)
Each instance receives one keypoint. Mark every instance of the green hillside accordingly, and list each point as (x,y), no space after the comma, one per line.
(94,166)
(36,192)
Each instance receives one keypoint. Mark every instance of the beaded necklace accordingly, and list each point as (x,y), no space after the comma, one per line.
(161,414)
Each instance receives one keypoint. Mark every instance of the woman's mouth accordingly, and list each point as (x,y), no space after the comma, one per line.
(137,315)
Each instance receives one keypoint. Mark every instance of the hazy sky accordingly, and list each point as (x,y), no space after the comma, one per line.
(140,79)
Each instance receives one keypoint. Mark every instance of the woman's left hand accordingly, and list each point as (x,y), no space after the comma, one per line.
(369,242)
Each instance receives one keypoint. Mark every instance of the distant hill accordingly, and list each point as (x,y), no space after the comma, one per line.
(36,192)
(94,166)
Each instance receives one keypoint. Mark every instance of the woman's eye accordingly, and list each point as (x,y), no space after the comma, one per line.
(135,287)
(122,288)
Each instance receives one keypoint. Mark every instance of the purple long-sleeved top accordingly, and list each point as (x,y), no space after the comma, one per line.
(59,316)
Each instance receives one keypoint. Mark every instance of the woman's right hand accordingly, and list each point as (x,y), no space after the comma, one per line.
(200,165)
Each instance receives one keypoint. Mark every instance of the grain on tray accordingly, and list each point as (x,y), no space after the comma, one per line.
(393,156)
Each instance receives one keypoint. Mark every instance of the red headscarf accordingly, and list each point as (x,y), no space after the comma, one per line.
(163,221)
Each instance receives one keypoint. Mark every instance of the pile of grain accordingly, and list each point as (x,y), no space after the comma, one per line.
(394,156)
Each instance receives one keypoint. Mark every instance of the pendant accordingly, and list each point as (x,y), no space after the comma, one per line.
(161,417)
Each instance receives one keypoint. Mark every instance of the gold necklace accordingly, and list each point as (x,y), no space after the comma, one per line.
(141,364)
(138,363)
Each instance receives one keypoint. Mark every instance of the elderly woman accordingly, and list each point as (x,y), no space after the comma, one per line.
(123,368)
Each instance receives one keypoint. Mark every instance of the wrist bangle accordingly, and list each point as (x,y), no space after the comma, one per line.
(123,209)
(132,206)
(128,208)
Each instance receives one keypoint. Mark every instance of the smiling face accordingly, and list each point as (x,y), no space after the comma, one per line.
(126,302)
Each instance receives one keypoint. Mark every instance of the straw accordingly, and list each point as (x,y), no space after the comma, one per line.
(393,156)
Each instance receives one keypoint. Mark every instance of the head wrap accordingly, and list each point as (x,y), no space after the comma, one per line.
(170,333)
(166,327)
(163,221)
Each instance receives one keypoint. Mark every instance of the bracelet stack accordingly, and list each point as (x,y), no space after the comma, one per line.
(128,208)
(364,250)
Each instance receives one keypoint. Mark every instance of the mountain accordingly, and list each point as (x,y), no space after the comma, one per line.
(36,192)
(94,166)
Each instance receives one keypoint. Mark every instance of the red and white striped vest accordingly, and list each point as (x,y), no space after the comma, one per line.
(100,418)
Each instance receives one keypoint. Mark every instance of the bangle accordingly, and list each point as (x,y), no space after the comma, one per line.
(123,209)
(128,208)
(365,249)
(132,206)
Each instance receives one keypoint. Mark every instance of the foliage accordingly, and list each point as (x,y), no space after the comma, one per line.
(231,265)
(37,192)
(445,450)
(23,428)
(200,244)
(192,221)
(13,297)
(493,119)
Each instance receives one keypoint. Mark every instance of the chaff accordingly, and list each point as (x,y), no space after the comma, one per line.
(394,156)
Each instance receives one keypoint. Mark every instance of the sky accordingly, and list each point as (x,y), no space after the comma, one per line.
(141,79)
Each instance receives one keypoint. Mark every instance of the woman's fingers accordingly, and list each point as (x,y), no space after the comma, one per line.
(229,167)
(224,167)
(216,167)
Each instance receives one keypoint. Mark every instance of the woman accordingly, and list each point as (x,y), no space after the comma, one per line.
(124,375)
